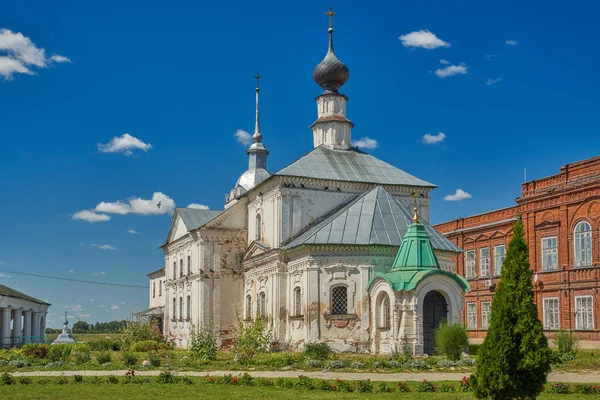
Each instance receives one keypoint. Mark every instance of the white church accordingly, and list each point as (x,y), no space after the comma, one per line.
(327,249)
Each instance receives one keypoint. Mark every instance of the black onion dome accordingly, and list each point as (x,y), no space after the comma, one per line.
(331,73)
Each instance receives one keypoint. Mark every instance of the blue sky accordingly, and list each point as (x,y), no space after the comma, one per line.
(177,76)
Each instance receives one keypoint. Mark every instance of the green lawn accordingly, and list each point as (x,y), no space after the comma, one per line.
(156,391)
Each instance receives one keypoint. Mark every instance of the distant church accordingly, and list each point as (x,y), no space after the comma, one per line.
(335,247)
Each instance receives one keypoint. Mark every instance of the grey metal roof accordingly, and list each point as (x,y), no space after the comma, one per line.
(194,218)
(8,292)
(375,217)
(350,165)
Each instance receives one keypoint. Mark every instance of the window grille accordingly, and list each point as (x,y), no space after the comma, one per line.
(339,300)
(584,313)
(551,320)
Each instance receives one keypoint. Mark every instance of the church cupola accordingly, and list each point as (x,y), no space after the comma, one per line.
(332,128)
(257,159)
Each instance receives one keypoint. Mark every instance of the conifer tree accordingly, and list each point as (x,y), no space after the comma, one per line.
(514,360)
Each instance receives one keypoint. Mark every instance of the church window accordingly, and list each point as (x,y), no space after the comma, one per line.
(297,302)
(159,288)
(471,315)
(262,304)
(258,227)
(549,254)
(189,308)
(583,244)
(499,255)
(181,308)
(181,267)
(174,308)
(485,314)
(174,269)
(339,300)
(248,307)
(189,265)
(153,289)
(484,261)
(470,264)
(384,313)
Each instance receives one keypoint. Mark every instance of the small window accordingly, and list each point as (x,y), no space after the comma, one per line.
(584,313)
(470,264)
(248,307)
(189,265)
(485,314)
(262,304)
(550,309)
(583,244)
(153,289)
(549,254)
(181,308)
(181,267)
(174,308)
(174,269)
(297,302)
(484,261)
(159,288)
(499,255)
(258,227)
(339,300)
(384,312)
(189,308)
(471,316)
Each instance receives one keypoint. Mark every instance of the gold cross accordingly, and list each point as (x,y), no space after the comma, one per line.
(416,216)
(257,76)
(331,15)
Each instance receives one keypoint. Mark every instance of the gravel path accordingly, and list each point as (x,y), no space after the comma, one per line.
(583,377)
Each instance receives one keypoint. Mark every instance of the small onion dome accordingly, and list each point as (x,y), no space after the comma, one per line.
(331,73)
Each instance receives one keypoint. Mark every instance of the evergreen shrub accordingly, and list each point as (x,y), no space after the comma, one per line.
(451,340)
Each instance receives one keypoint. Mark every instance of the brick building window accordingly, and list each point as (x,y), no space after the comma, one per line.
(484,261)
(499,255)
(262,304)
(297,302)
(248,307)
(471,316)
(551,320)
(584,313)
(470,264)
(486,310)
(549,253)
(339,300)
(582,239)
(189,265)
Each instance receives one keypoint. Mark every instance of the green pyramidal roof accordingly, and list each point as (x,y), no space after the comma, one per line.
(415,251)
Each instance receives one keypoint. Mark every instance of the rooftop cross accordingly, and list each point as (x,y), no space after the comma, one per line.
(257,77)
(416,216)
(331,15)
(257,137)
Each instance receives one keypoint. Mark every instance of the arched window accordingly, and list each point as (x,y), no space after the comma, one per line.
(181,308)
(181,267)
(189,308)
(262,304)
(174,316)
(383,311)
(189,265)
(258,227)
(297,302)
(174,269)
(582,239)
(339,300)
(248,307)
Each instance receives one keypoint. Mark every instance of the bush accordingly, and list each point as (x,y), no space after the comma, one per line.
(39,351)
(139,331)
(403,387)
(59,352)
(146,346)
(103,357)
(112,379)
(451,340)
(7,379)
(317,351)
(78,378)
(62,380)
(105,344)
(165,377)
(204,344)
(154,359)
(334,364)
(129,359)
(566,342)
(24,380)
(384,388)
(446,387)
(82,357)
(253,338)
(425,386)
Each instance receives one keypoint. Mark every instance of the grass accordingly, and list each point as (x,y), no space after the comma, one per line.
(152,391)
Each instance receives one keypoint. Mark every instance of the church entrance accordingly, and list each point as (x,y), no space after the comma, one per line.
(435,309)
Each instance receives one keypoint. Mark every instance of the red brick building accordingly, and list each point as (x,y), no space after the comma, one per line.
(561,215)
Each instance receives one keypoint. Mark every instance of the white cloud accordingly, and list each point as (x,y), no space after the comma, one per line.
(198,206)
(433,139)
(122,302)
(98,273)
(458,195)
(423,38)
(123,144)
(84,315)
(78,307)
(512,42)
(92,300)
(70,317)
(70,271)
(445,62)
(243,137)
(133,232)
(103,246)
(4,276)
(114,307)
(451,70)
(18,54)
(366,143)
(90,216)
(137,205)
(101,306)
(492,81)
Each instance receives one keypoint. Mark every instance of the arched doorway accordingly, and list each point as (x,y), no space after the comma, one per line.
(435,309)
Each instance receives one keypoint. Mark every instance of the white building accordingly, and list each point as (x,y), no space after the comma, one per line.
(22,318)
(301,246)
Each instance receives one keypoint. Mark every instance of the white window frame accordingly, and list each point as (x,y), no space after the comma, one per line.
(499,259)
(582,245)
(486,313)
(471,316)
(470,264)
(551,310)
(484,262)
(584,313)
(549,245)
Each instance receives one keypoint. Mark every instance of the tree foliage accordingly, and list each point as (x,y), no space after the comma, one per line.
(451,340)
(139,331)
(204,344)
(99,327)
(514,360)
(252,338)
